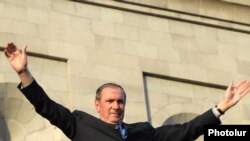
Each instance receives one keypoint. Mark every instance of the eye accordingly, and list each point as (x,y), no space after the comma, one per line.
(120,101)
(110,101)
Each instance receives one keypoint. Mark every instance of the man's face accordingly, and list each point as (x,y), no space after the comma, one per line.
(111,105)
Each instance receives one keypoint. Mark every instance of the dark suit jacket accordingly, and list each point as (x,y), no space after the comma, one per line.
(80,126)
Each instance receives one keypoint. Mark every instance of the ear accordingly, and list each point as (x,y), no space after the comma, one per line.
(97,105)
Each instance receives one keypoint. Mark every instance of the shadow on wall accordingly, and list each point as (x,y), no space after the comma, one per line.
(4,131)
(179,118)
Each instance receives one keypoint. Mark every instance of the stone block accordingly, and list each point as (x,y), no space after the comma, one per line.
(79,24)
(100,56)
(227,64)
(169,55)
(104,72)
(157,100)
(35,124)
(34,44)
(161,39)
(54,82)
(87,11)
(184,42)
(11,107)
(219,77)
(45,4)
(240,12)
(82,101)
(104,28)
(126,32)
(2,78)
(82,39)
(12,91)
(110,44)
(25,113)
(136,20)
(59,20)
(229,37)
(112,15)
(51,33)
(243,53)
(6,25)
(158,24)
(2,9)
(38,16)
(25,29)
(132,77)
(63,6)
(18,132)
(141,49)
(17,12)
(188,71)
(7,37)
(181,28)
(135,111)
(243,67)
(41,135)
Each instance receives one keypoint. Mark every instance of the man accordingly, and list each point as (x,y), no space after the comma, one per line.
(110,104)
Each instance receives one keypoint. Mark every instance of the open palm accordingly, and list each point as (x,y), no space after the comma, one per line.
(235,93)
(17,58)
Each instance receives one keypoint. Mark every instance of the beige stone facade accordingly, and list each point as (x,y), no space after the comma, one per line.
(173,57)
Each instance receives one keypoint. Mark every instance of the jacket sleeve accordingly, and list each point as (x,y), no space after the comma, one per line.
(57,114)
(188,131)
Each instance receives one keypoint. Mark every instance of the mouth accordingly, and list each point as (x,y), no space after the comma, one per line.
(116,114)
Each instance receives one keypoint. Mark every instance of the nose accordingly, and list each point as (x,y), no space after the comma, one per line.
(115,105)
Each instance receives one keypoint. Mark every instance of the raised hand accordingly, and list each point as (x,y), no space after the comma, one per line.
(234,94)
(17,58)
(18,61)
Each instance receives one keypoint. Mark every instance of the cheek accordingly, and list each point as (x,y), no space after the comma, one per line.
(122,107)
(105,109)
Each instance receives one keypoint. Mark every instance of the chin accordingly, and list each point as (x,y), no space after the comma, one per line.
(116,120)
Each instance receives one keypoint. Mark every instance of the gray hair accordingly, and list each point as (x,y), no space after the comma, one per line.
(110,85)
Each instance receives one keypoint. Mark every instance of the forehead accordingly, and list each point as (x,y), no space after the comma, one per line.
(110,92)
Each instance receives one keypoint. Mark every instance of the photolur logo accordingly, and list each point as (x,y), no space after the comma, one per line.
(223,132)
(215,132)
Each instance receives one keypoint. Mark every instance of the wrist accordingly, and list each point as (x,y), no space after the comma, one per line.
(216,113)
(223,106)
(23,72)
(219,110)
(25,77)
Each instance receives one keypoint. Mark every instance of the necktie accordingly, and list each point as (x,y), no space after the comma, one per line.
(123,131)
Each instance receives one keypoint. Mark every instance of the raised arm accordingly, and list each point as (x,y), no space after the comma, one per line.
(57,114)
(18,60)
(233,95)
(194,128)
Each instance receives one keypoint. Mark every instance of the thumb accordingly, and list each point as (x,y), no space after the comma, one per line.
(229,89)
(230,86)
(24,50)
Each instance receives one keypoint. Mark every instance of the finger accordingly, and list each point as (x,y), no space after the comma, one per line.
(244,85)
(244,93)
(240,83)
(245,89)
(6,53)
(11,47)
(24,50)
(229,87)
